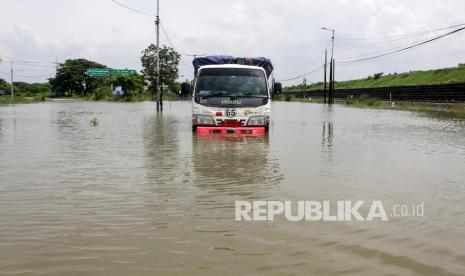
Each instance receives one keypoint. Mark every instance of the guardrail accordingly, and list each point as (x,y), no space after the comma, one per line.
(414,93)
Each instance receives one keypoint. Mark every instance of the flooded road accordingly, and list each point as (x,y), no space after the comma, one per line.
(141,195)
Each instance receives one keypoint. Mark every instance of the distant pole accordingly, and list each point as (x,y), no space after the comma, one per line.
(332,44)
(332,66)
(56,66)
(324,87)
(330,81)
(334,82)
(157,87)
(304,84)
(12,88)
(331,92)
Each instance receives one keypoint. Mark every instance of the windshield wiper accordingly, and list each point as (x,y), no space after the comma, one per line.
(251,96)
(215,94)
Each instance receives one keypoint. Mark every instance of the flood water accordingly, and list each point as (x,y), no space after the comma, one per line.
(140,194)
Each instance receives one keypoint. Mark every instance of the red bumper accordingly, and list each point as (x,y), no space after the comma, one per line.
(240,131)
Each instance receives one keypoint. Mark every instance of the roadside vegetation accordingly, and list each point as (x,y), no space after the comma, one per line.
(438,76)
(456,110)
(430,77)
(24,92)
(72,82)
(288,97)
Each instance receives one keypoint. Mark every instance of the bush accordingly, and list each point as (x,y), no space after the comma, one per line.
(364,101)
(101,93)
(288,97)
(377,75)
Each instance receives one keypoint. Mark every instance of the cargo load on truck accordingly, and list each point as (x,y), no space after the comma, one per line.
(263,62)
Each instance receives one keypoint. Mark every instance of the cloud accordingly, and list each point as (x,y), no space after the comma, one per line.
(287,31)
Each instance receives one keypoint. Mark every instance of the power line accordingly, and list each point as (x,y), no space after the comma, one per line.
(18,60)
(314,59)
(151,15)
(165,33)
(378,43)
(38,69)
(132,9)
(402,49)
(35,65)
(25,76)
(378,59)
(403,37)
(382,51)
(303,75)
(406,35)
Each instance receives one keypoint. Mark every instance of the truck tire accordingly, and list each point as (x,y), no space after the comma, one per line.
(194,128)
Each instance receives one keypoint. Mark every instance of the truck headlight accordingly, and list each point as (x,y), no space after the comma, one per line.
(204,120)
(256,121)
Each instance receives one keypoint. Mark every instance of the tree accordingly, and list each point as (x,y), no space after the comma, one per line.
(169,61)
(71,77)
(377,75)
(5,86)
(132,84)
(31,89)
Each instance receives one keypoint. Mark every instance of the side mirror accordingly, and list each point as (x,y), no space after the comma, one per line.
(185,88)
(277,88)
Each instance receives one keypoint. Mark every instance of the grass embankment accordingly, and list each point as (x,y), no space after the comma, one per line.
(452,110)
(430,77)
(288,97)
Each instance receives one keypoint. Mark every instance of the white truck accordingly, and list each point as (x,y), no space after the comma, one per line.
(232,95)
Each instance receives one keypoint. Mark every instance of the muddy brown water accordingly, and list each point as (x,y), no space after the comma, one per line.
(141,195)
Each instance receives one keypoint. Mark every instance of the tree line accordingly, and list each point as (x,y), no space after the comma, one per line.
(71,79)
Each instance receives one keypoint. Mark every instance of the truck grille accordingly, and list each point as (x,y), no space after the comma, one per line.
(230,123)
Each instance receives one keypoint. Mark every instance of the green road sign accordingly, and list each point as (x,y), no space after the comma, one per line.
(98,72)
(118,72)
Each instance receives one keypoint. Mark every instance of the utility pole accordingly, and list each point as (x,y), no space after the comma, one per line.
(332,66)
(324,87)
(334,83)
(157,87)
(304,86)
(12,88)
(330,81)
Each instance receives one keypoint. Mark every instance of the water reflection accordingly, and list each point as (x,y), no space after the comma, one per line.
(327,136)
(161,147)
(240,167)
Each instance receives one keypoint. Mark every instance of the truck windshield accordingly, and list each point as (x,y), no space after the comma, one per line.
(229,82)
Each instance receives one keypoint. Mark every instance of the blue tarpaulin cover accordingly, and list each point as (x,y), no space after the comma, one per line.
(265,63)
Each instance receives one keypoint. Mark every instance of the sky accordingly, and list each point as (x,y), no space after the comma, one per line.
(288,32)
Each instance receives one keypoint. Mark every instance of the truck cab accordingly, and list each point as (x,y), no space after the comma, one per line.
(232,98)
